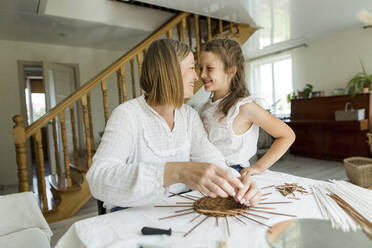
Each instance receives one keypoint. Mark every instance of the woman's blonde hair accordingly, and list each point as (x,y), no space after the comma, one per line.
(231,54)
(161,78)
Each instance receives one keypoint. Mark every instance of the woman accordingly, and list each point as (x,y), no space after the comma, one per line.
(155,141)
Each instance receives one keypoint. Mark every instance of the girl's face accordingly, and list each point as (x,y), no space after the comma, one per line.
(189,75)
(213,74)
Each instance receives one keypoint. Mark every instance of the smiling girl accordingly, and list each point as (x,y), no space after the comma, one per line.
(231,117)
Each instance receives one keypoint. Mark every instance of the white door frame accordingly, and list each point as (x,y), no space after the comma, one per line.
(21,82)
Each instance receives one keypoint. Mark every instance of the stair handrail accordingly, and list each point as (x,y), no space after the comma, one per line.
(31,129)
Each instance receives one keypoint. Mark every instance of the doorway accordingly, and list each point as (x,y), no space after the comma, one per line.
(42,86)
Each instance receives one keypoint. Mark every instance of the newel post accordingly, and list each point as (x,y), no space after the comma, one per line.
(20,144)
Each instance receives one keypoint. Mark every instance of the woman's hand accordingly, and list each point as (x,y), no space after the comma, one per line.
(248,195)
(209,179)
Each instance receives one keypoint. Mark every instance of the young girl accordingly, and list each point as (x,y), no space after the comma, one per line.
(231,117)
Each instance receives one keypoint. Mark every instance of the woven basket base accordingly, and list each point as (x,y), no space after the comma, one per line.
(219,207)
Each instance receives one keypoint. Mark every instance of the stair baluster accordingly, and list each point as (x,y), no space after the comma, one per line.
(209,28)
(197,38)
(104,98)
(134,95)
(62,122)
(40,172)
(56,153)
(184,30)
(89,104)
(170,34)
(86,128)
(118,82)
(74,137)
(139,63)
(220,26)
(123,82)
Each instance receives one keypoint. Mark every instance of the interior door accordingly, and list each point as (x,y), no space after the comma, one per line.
(59,83)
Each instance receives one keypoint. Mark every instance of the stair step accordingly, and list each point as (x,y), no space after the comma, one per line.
(52,200)
(60,184)
(81,164)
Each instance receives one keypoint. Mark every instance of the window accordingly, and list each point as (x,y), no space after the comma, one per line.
(35,99)
(273,16)
(271,79)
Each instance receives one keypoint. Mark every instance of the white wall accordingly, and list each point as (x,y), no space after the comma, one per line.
(331,61)
(91,62)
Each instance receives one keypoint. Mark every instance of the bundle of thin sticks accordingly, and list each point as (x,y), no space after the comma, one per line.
(291,188)
(346,205)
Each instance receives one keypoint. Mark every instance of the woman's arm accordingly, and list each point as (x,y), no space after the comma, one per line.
(113,178)
(283,134)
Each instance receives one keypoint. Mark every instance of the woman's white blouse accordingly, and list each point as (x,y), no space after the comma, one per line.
(128,167)
(237,149)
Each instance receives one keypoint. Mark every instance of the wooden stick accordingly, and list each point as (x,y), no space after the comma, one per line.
(195,226)
(259,216)
(268,212)
(211,211)
(172,206)
(183,210)
(195,218)
(268,186)
(262,199)
(240,220)
(267,194)
(216,221)
(294,198)
(184,203)
(227,225)
(255,220)
(176,215)
(182,196)
(260,203)
(197,197)
(261,208)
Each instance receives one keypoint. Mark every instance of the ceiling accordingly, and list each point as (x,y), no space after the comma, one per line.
(294,20)
(106,28)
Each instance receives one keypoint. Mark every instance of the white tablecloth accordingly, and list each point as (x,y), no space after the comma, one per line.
(122,228)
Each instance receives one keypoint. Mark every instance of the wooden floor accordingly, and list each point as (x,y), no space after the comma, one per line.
(298,166)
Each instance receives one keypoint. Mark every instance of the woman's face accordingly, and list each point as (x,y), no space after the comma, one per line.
(213,74)
(189,75)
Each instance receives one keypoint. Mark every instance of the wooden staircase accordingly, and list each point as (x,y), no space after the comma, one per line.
(69,190)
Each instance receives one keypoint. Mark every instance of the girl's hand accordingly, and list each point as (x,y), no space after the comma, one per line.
(250,170)
(249,195)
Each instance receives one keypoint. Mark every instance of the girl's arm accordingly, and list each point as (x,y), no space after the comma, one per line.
(283,134)
(284,137)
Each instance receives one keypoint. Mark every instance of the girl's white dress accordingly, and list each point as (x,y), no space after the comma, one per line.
(237,149)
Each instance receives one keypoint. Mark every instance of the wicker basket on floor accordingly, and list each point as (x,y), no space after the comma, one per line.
(359,170)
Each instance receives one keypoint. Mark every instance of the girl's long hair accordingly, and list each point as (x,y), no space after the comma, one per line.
(231,54)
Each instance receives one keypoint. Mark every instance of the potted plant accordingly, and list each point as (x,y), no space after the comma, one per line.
(291,96)
(360,83)
(308,90)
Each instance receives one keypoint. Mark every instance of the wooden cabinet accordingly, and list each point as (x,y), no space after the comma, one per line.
(319,135)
